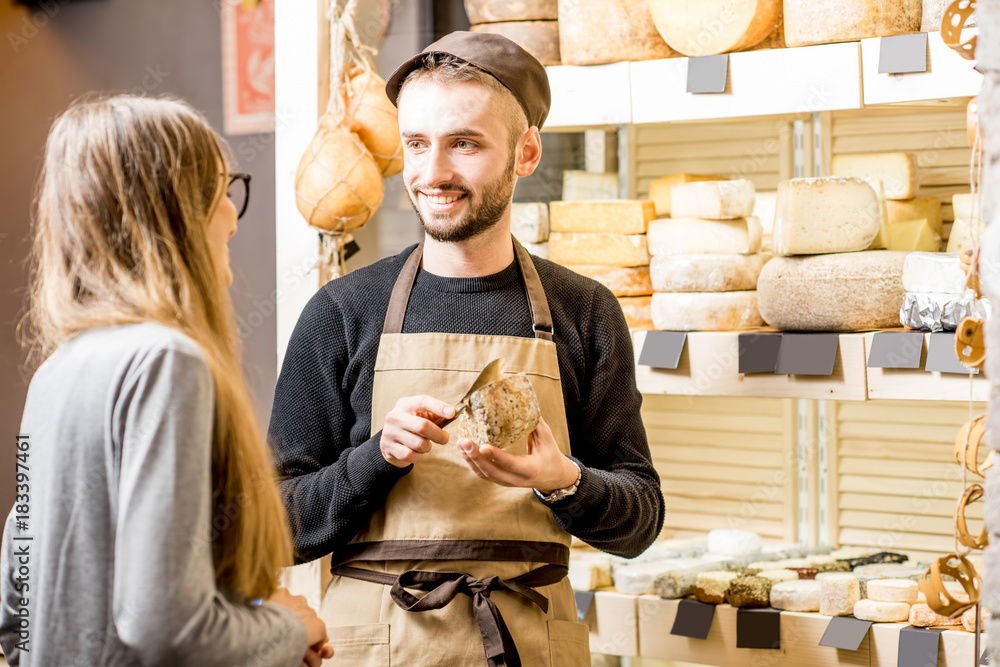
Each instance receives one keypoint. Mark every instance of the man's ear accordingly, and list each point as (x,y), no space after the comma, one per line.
(529,153)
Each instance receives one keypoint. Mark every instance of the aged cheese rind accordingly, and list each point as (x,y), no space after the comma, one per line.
(621,280)
(589,186)
(928,208)
(898,172)
(922,616)
(639,579)
(711,586)
(494,11)
(714,200)
(838,595)
(881,612)
(893,590)
(624,216)
(539,38)
(608,31)
(502,413)
(825,215)
(709,27)
(637,309)
(659,190)
(705,273)
(749,592)
(603,249)
(826,21)
(678,236)
(855,291)
(933,272)
(706,311)
(529,222)
(802,595)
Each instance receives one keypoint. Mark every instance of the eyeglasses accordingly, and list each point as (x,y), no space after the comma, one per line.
(238,191)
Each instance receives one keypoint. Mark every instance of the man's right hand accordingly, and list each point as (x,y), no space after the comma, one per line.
(411,428)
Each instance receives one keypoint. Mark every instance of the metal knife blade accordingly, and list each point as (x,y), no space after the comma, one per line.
(491,373)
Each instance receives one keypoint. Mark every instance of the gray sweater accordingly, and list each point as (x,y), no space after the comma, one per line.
(116,568)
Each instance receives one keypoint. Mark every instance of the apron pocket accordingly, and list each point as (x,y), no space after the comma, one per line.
(360,645)
(569,644)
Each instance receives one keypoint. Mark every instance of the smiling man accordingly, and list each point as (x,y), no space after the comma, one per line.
(444,552)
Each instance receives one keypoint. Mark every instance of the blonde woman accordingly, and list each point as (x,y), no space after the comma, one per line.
(147,519)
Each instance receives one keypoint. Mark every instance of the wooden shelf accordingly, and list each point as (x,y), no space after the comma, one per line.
(948,75)
(921,385)
(596,95)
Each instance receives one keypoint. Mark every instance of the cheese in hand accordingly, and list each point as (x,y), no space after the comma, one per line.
(675,236)
(824,215)
(898,171)
(716,200)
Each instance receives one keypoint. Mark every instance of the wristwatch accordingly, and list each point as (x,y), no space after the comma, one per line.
(559,494)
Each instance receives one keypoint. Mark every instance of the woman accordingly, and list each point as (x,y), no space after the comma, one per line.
(146,518)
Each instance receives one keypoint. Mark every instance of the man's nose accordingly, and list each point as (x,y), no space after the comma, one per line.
(436,167)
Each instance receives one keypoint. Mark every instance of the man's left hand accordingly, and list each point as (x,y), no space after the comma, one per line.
(544,467)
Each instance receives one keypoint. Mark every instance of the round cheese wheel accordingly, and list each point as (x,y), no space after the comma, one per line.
(801,595)
(539,38)
(893,590)
(825,21)
(494,11)
(378,125)
(850,291)
(881,612)
(709,27)
(621,280)
(608,31)
(706,311)
(838,595)
(705,273)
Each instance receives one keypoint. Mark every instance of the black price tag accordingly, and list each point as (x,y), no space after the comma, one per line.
(985,660)
(758,628)
(759,352)
(941,356)
(903,54)
(896,350)
(807,354)
(918,647)
(845,632)
(351,249)
(694,619)
(662,349)
(708,74)
(583,601)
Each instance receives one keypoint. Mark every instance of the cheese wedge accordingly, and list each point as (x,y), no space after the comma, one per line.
(916,235)
(927,208)
(898,172)
(715,200)
(825,215)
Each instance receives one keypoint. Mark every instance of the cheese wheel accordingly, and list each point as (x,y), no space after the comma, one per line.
(709,27)
(494,11)
(501,414)
(855,291)
(539,38)
(705,273)
(825,21)
(801,595)
(621,280)
(608,31)
(624,216)
(659,190)
(881,612)
(603,249)
(706,311)
(715,200)
(678,236)
(589,186)
(922,616)
(749,592)
(838,595)
(893,590)
(529,222)
(711,586)
(898,172)
(928,208)
(637,311)
(824,215)
(933,272)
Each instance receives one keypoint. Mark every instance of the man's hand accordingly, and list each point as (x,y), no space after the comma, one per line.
(544,467)
(411,427)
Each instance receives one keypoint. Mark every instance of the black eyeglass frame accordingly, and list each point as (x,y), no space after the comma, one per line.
(245,177)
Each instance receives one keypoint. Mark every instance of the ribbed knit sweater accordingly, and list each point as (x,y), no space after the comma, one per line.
(331,472)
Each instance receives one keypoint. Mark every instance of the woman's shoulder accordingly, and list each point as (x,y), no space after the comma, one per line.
(136,340)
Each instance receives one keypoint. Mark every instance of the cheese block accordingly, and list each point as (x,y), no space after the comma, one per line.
(537,249)
(711,586)
(962,205)
(529,223)
(637,309)
(678,236)
(825,215)
(881,612)
(659,190)
(965,235)
(855,291)
(922,616)
(603,249)
(749,591)
(709,27)
(826,21)
(927,208)
(608,31)
(494,11)
(539,38)
(706,311)
(716,200)
(621,280)
(933,272)
(624,216)
(918,235)
(733,542)
(898,172)
(589,186)
(705,273)
(838,595)
(802,595)
(893,590)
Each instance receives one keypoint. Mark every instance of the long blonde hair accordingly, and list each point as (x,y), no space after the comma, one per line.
(127,188)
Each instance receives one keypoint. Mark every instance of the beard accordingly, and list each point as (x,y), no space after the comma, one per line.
(483,214)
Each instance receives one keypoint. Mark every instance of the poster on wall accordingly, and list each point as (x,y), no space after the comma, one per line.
(248,66)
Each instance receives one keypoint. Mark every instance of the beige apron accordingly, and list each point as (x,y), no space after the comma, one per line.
(456,570)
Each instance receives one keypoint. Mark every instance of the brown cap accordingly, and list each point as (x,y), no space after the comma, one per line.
(511,65)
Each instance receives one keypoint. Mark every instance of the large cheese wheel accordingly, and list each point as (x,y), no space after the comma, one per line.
(539,38)
(494,11)
(851,291)
(708,27)
(705,273)
(659,190)
(621,280)
(608,31)
(705,311)
(826,214)
(678,236)
(825,21)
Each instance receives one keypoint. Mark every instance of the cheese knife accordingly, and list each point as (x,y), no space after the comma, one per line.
(489,375)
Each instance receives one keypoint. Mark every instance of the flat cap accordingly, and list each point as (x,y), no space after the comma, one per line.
(511,65)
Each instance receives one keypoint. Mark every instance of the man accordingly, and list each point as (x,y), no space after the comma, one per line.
(444,552)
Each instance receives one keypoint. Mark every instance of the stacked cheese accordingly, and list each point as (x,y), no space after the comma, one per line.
(825,279)
(937,298)
(531,25)
(607,31)
(825,21)
(606,241)
(706,256)
(887,601)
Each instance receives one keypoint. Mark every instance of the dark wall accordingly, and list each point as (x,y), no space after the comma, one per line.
(52,55)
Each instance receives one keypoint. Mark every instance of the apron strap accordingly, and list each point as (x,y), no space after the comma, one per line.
(506,551)
(541,317)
